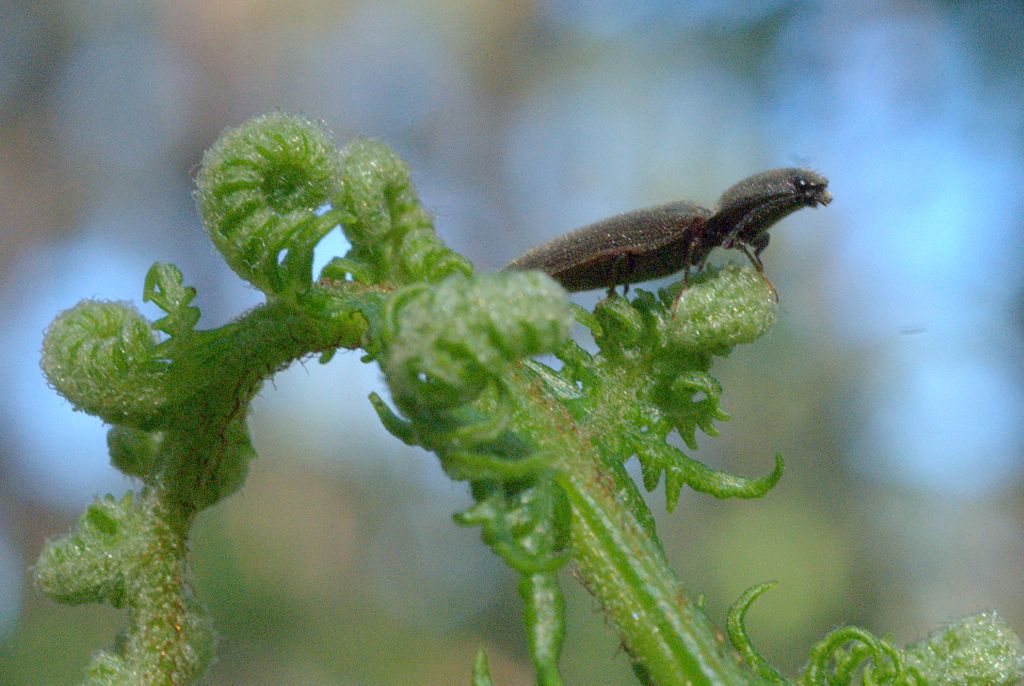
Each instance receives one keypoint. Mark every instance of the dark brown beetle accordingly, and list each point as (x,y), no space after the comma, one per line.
(659,241)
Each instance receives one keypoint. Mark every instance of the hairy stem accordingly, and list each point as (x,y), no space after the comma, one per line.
(626,570)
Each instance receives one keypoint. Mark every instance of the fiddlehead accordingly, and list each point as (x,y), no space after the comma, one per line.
(101,357)
(261,189)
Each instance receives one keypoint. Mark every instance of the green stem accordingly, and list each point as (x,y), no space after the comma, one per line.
(544,610)
(162,645)
(619,558)
(625,569)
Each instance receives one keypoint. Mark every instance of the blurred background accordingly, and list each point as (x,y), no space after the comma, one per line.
(892,382)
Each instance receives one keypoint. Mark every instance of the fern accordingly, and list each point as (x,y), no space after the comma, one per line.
(542,449)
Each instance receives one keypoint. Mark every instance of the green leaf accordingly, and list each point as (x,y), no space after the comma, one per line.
(452,341)
(741,641)
(392,236)
(481,670)
(975,651)
(165,289)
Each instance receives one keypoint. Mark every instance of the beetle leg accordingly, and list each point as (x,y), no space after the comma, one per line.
(760,243)
(621,268)
(758,265)
(688,262)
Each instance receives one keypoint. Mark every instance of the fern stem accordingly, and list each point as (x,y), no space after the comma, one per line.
(627,571)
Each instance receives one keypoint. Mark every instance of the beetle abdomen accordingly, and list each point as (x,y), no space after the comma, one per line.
(627,248)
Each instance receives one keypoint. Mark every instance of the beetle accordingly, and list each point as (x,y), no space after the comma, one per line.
(658,241)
